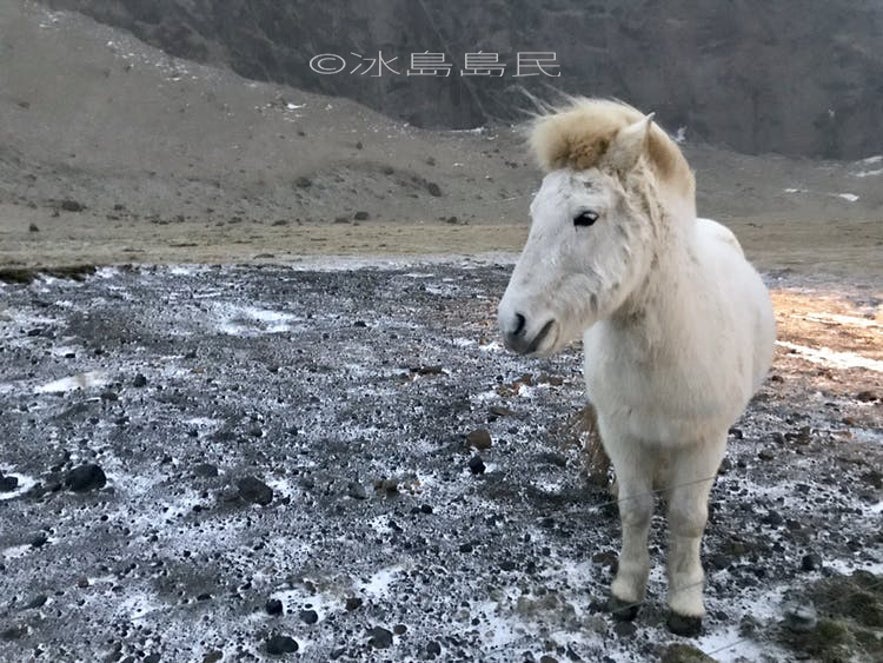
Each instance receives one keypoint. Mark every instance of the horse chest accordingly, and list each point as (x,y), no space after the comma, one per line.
(653,394)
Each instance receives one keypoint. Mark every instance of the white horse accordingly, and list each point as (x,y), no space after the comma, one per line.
(677,327)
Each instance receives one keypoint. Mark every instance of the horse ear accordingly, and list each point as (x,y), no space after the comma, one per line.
(629,144)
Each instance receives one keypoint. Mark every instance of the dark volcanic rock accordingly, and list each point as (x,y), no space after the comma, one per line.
(308,616)
(8,484)
(476,465)
(281,644)
(273,607)
(380,638)
(69,205)
(255,491)
(85,478)
(479,438)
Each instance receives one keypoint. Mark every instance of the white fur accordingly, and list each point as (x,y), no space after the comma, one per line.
(678,333)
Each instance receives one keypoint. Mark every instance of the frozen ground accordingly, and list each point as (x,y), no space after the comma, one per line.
(347,395)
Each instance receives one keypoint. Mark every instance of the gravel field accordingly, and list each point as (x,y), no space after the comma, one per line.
(234,463)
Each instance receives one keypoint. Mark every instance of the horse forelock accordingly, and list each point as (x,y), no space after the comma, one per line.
(578,135)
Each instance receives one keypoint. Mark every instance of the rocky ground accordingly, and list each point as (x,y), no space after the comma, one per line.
(237,463)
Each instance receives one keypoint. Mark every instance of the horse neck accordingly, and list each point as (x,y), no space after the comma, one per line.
(657,307)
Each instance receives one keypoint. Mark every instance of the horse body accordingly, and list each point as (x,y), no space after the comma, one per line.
(677,326)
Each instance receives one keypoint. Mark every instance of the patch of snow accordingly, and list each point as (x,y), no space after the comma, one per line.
(792,190)
(848,567)
(25,483)
(252,320)
(850,197)
(85,380)
(379,584)
(845,320)
(15,552)
(875,159)
(869,173)
(832,358)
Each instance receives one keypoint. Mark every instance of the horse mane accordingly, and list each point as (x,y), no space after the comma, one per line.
(578,135)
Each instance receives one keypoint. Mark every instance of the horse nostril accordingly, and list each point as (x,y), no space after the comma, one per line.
(520,322)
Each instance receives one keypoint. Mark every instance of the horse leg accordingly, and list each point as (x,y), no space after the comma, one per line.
(634,474)
(692,474)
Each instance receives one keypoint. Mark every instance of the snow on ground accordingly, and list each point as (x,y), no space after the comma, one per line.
(299,435)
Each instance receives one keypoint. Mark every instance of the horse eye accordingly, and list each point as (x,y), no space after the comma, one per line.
(585,219)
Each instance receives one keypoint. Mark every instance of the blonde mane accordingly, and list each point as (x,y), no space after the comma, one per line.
(577,136)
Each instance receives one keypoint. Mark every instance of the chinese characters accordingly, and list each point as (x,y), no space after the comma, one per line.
(527,63)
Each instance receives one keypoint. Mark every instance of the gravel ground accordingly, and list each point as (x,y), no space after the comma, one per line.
(206,464)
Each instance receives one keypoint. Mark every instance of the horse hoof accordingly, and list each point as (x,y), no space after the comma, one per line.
(622,610)
(689,627)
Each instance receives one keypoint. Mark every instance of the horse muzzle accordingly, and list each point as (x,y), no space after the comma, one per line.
(517,336)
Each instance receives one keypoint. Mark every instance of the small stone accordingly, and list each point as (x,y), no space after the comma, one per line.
(39,540)
(399,629)
(356,490)
(308,616)
(109,395)
(380,638)
(33,228)
(278,645)
(255,491)
(359,145)
(273,607)
(625,629)
(213,656)
(69,205)
(476,465)
(353,603)
(867,396)
(434,189)
(433,649)
(85,478)
(361,215)
(479,438)
(736,433)
(683,653)
(152,658)
(14,632)
(500,411)
(303,182)
(8,484)
(545,658)
(205,470)
(430,161)
(773,518)
(800,617)
(139,381)
(37,602)
(811,562)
